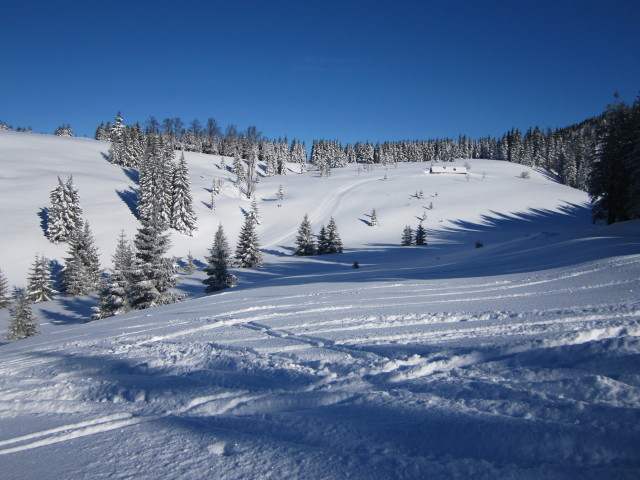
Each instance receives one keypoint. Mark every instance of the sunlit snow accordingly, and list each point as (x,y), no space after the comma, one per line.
(519,359)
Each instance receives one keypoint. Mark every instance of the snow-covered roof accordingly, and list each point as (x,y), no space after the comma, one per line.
(449,169)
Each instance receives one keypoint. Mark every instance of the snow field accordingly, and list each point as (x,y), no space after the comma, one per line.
(516,360)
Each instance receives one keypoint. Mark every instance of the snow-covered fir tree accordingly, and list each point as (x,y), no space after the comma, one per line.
(323,241)
(156,174)
(115,289)
(305,241)
(299,155)
(81,273)
(374,218)
(183,217)
(238,170)
(65,214)
(23,322)
(215,191)
(154,274)
(218,263)
(334,243)
(268,156)
(115,131)
(248,254)
(189,265)
(5,294)
(421,235)
(101,133)
(407,237)
(254,212)
(40,284)
(280,195)
(64,131)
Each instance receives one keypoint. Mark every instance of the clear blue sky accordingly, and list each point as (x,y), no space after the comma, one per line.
(350,70)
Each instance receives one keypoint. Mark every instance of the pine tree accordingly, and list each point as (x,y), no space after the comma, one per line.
(219,261)
(215,190)
(421,235)
(305,242)
(248,253)
(189,266)
(374,218)
(5,296)
(280,195)
(334,243)
(154,275)
(115,290)
(407,237)
(64,131)
(183,217)
(254,213)
(23,322)
(616,174)
(40,284)
(155,184)
(323,241)
(65,213)
(82,272)
(238,171)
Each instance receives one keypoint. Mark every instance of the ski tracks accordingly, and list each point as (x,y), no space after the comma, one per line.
(72,431)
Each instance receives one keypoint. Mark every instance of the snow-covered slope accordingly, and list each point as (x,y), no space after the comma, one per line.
(492,196)
(516,360)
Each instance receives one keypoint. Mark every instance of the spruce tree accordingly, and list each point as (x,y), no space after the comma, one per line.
(334,243)
(323,241)
(115,290)
(218,263)
(407,237)
(254,213)
(421,235)
(215,190)
(615,181)
(374,218)
(248,254)
(23,322)
(82,272)
(280,195)
(65,213)
(5,295)
(189,266)
(183,217)
(305,242)
(156,175)
(154,275)
(40,284)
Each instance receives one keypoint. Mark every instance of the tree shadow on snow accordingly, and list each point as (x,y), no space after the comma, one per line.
(43,214)
(132,174)
(529,241)
(75,310)
(130,198)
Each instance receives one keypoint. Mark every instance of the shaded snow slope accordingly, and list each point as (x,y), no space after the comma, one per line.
(520,359)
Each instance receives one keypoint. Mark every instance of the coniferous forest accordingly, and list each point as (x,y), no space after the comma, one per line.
(598,155)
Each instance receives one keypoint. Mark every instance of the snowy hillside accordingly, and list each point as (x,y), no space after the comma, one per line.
(492,195)
(520,359)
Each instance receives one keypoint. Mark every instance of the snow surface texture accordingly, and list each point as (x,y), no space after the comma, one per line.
(516,360)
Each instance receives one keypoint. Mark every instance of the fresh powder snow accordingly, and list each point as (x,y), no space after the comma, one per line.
(519,359)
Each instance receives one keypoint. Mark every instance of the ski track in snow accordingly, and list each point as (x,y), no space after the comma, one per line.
(518,360)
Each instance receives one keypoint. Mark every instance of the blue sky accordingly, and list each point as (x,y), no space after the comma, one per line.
(349,70)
